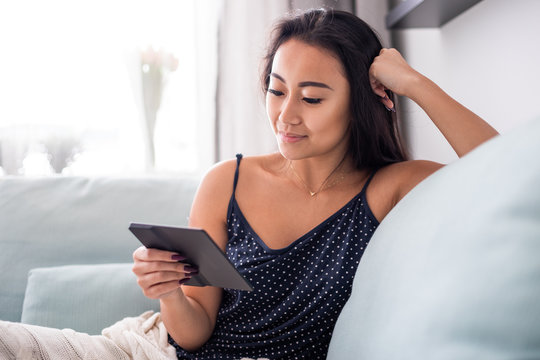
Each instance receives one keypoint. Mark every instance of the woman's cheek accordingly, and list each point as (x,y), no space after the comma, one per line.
(272,110)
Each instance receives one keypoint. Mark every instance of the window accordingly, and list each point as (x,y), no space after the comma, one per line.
(107,87)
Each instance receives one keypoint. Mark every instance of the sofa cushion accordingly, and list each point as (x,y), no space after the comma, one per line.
(56,221)
(86,298)
(453,271)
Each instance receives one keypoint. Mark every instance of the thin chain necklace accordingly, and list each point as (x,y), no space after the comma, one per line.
(321,188)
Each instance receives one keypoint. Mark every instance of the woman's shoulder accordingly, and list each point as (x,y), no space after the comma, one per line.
(405,175)
(221,175)
(392,182)
(262,162)
(410,170)
(224,168)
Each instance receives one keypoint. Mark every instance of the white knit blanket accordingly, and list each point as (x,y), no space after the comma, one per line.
(139,338)
(143,337)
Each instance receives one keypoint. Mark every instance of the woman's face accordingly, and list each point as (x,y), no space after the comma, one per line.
(308,102)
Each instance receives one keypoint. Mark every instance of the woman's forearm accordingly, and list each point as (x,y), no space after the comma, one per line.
(462,128)
(186,320)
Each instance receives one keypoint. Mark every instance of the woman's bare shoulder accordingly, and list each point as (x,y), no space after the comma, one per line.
(209,208)
(218,178)
(392,182)
(262,162)
(406,175)
(215,189)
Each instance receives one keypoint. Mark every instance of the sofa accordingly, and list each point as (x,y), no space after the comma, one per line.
(66,251)
(452,272)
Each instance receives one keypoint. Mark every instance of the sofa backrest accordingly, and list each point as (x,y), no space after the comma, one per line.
(453,271)
(77,220)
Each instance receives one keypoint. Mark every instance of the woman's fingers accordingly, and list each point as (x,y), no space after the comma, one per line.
(161,290)
(145,267)
(160,272)
(380,90)
(145,254)
(159,283)
(154,278)
(377,87)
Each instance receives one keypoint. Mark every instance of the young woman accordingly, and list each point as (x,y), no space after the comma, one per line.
(295,223)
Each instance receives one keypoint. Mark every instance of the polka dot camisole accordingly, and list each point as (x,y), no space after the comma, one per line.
(299,290)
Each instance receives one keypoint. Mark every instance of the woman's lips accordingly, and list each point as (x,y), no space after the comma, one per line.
(291,138)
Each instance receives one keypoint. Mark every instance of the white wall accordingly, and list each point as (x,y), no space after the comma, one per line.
(488,58)
(373,12)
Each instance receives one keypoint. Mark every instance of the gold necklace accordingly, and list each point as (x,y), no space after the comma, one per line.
(313,193)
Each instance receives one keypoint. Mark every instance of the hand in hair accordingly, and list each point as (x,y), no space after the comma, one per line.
(390,71)
(463,129)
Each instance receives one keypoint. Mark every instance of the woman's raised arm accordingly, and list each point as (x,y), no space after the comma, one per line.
(463,129)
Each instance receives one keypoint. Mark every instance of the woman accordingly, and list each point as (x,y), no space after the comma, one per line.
(296,222)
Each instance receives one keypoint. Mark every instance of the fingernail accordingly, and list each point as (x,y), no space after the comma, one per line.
(178,257)
(193,272)
(183,281)
(390,109)
(190,268)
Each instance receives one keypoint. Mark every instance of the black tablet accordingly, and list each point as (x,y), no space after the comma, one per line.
(199,249)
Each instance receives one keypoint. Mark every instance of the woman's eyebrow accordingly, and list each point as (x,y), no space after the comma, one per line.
(314,83)
(303,83)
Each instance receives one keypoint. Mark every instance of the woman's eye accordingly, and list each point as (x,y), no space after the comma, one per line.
(275,92)
(312,100)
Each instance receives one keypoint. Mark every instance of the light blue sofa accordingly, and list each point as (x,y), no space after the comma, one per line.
(66,251)
(453,272)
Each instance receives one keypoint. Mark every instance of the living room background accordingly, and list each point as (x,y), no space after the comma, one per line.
(74,75)
(133,87)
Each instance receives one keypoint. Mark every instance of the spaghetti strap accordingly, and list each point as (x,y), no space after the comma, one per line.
(231,201)
(238,159)
(369,180)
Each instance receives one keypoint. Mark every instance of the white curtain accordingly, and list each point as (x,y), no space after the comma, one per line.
(241,120)
(191,106)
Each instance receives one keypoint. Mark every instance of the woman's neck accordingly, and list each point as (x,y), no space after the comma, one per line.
(316,174)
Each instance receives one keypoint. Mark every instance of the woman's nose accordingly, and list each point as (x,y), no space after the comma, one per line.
(289,112)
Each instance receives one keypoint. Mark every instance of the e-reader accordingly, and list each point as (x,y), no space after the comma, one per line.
(199,249)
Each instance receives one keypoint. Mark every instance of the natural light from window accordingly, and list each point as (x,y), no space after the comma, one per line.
(107,87)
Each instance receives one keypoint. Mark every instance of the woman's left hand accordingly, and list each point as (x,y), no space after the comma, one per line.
(390,71)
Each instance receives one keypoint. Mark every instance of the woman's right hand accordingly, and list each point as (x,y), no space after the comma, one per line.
(160,274)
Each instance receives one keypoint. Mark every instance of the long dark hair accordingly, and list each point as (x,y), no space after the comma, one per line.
(374,134)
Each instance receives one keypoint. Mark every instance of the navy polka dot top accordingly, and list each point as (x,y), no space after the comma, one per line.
(299,290)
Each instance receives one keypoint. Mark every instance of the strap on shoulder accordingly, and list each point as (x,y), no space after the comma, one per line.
(369,180)
(238,159)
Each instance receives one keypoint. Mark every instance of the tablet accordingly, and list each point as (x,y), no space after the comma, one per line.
(199,249)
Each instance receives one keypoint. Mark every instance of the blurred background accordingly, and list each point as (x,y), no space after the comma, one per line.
(99,88)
